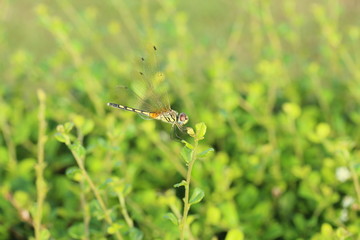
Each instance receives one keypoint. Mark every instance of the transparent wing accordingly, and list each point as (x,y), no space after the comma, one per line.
(126,96)
(149,85)
(147,89)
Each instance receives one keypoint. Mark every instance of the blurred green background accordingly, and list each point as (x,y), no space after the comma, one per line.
(276,82)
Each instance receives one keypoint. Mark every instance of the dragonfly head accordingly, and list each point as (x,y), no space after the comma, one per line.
(182,119)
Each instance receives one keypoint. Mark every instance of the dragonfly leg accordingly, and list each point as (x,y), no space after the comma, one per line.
(174,135)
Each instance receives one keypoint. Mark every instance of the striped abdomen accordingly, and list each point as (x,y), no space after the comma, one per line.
(169,116)
(115,105)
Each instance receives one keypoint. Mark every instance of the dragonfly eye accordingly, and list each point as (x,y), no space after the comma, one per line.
(183,118)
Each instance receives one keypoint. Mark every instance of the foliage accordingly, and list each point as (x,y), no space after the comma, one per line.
(277,84)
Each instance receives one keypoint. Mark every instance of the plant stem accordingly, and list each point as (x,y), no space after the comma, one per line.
(80,163)
(183,225)
(85,208)
(124,211)
(40,182)
(356,181)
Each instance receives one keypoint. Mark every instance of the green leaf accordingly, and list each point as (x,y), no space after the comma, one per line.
(197,196)
(22,199)
(88,127)
(182,183)
(234,234)
(61,137)
(45,234)
(190,131)
(60,128)
(96,210)
(292,110)
(200,130)
(74,173)
(188,145)
(68,126)
(85,125)
(136,234)
(205,153)
(127,189)
(323,130)
(76,231)
(115,227)
(78,149)
(172,218)
(186,154)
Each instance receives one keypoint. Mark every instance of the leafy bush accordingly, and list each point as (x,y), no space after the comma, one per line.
(276,84)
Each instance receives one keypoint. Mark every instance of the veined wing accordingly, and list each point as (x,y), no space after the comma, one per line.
(149,85)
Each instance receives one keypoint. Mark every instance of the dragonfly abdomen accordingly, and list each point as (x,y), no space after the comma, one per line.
(122,107)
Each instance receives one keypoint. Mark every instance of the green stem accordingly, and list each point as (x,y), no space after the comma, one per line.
(124,211)
(356,181)
(85,208)
(40,182)
(183,225)
(98,197)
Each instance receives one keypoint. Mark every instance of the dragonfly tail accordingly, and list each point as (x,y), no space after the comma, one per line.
(122,107)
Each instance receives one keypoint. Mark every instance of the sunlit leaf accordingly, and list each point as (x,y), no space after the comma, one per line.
(74,173)
(197,196)
(76,231)
(190,131)
(136,234)
(182,183)
(234,234)
(200,130)
(188,145)
(78,149)
(68,126)
(115,227)
(61,137)
(205,153)
(186,154)
(172,218)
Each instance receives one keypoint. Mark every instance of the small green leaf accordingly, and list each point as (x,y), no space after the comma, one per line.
(188,145)
(88,127)
(200,130)
(85,125)
(172,218)
(190,131)
(60,128)
(182,183)
(186,154)
(292,110)
(234,234)
(61,137)
(74,173)
(127,189)
(45,234)
(76,231)
(136,234)
(78,149)
(197,196)
(205,153)
(323,130)
(115,227)
(68,126)
(96,210)
(21,199)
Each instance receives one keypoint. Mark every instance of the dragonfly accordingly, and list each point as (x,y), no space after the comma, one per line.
(154,102)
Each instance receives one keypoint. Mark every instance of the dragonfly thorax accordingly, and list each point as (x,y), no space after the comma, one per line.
(172,117)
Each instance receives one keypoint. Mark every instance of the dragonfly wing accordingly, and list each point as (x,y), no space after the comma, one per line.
(152,85)
(148,86)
